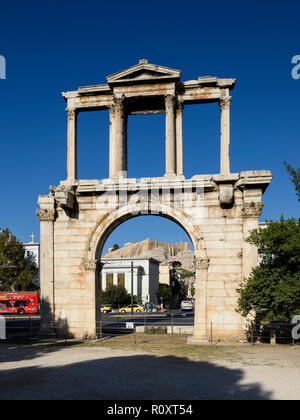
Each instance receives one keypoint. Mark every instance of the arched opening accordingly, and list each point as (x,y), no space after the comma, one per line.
(125,218)
(148,226)
(108,223)
(162,257)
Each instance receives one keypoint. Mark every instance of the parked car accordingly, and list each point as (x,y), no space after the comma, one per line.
(127,309)
(105,309)
(187,305)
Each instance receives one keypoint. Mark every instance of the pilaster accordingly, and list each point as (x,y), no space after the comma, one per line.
(250,214)
(47,275)
(200,321)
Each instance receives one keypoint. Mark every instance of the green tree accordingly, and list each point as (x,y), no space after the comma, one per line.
(16,272)
(116,295)
(294,177)
(274,286)
(165,292)
(115,247)
(185,273)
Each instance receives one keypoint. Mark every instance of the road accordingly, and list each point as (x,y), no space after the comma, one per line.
(29,325)
(157,319)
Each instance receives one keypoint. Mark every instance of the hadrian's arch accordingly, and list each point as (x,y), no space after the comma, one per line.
(217,211)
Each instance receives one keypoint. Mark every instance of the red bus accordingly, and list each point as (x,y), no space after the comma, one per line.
(19,303)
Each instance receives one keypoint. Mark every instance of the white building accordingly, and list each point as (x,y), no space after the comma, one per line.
(145,276)
(260,255)
(32,253)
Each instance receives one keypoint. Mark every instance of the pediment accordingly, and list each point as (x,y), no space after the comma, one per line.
(143,72)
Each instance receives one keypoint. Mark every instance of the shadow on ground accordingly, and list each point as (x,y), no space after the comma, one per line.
(57,373)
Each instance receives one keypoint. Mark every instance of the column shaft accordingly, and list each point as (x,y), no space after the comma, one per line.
(179,145)
(170,136)
(120,159)
(111,142)
(72,145)
(225,134)
(125,147)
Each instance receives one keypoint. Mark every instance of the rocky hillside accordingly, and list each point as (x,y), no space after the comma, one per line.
(161,251)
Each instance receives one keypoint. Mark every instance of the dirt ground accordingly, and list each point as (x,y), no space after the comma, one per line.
(152,369)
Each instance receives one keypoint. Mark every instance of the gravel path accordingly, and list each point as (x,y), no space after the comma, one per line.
(101,373)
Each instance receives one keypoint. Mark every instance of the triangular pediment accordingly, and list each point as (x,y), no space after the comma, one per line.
(144,72)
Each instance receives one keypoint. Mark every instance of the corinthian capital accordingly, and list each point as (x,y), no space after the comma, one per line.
(46,215)
(225,102)
(112,109)
(71,113)
(170,101)
(180,104)
(92,265)
(118,103)
(201,263)
(252,209)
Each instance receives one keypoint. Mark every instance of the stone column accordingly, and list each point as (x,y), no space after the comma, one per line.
(119,164)
(200,322)
(125,154)
(47,275)
(179,146)
(111,141)
(225,133)
(170,136)
(72,144)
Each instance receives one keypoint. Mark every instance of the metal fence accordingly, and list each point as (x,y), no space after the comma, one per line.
(167,328)
(22,326)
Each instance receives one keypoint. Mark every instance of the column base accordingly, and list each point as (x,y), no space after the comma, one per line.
(197,339)
(170,175)
(120,176)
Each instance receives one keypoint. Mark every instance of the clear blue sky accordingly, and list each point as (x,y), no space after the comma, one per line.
(54,46)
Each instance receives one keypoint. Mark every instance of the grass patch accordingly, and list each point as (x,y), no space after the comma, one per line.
(162,344)
(156,330)
(158,344)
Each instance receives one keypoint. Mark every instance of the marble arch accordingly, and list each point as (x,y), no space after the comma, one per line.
(216,210)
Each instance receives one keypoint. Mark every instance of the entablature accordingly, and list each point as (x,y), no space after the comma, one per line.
(242,180)
(150,81)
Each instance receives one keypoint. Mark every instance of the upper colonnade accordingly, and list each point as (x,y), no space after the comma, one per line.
(147,89)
